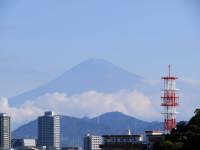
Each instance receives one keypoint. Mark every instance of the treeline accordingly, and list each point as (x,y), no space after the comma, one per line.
(185,137)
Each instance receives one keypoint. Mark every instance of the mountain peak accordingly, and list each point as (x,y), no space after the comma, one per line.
(96,61)
(92,74)
(116,115)
(98,65)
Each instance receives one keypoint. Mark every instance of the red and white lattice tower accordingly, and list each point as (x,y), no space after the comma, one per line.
(170,101)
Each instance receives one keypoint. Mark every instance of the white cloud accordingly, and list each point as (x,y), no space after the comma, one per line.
(19,115)
(89,103)
(93,103)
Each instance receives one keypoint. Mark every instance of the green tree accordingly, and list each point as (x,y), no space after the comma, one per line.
(169,145)
(192,133)
(185,136)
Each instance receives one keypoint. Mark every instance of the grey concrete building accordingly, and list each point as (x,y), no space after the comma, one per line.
(24,144)
(5,133)
(123,142)
(92,142)
(49,131)
(153,137)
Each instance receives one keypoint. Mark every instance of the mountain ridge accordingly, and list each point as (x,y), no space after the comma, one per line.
(76,128)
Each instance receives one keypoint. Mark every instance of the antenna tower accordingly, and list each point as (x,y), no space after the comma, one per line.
(169,100)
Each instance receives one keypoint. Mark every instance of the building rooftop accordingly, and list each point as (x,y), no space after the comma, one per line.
(154,132)
(49,113)
(3,114)
(132,135)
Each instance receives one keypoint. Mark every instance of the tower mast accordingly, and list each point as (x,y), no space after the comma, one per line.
(169,100)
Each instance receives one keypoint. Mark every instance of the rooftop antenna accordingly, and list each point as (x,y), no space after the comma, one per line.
(169,67)
(129,131)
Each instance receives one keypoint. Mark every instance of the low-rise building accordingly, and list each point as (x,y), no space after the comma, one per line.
(92,142)
(122,142)
(24,144)
(153,137)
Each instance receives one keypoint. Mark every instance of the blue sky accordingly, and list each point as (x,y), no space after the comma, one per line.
(40,40)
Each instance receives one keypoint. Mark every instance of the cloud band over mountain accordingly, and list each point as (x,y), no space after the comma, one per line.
(89,104)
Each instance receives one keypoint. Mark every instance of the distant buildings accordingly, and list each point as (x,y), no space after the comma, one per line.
(5,132)
(92,142)
(49,137)
(71,148)
(49,131)
(123,142)
(153,137)
(24,144)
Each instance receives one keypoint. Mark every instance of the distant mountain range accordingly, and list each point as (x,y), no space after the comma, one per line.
(73,129)
(96,75)
(92,74)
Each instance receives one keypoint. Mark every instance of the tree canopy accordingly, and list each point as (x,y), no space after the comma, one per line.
(185,136)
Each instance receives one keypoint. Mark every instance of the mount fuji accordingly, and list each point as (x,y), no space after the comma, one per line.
(93,74)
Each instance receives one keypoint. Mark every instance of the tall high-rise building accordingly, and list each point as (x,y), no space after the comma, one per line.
(49,131)
(5,133)
(92,142)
